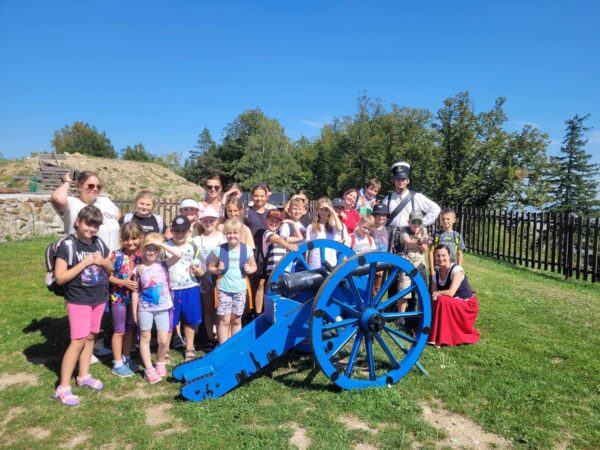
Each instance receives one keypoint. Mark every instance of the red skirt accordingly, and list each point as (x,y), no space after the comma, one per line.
(453,321)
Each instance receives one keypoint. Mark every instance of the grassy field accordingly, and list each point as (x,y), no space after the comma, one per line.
(534,380)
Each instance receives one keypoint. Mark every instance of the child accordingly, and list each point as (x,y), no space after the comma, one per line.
(143,216)
(184,283)
(272,248)
(414,244)
(232,285)
(448,237)
(124,263)
(361,241)
(234,209)
(257,212)
(295,211)
(367,196)
(380,234)
(325,225)
(188,208)
(82,266)
(152,303)
(210,239)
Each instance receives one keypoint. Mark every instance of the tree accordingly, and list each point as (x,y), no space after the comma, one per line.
(136,153)
(83,138)
(170,161)
(572,175)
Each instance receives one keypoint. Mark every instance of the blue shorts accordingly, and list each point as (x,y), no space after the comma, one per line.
(187,306)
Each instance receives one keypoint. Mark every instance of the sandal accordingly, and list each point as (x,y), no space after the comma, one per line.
(168,359)
(65,396)
(190,355)
(90,383)
(161,368)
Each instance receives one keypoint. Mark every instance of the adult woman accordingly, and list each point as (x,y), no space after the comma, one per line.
(68,206)
(453,302)
(213,196)
(349,215)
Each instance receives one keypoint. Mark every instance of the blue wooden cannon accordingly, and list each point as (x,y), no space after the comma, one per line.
(354,336)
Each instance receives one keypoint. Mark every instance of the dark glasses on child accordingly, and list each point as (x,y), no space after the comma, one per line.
(92,186)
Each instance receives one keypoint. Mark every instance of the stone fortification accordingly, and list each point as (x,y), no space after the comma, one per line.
(24,216)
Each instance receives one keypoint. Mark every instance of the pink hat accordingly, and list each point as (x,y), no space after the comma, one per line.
(209,211)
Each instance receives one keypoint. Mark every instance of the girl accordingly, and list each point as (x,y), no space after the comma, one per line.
(145,202)
(122,285)
(325,225)
(257,213)
(152,302)
(231,283)
(210,239)
(234,209)
(349,215)
(82,266)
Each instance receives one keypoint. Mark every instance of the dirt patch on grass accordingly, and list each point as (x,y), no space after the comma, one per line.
(157,415)
(10,415)
(11,379)
(115,446)
(299,439)
(39,433)
(365,447)
(176,429)
(75,440)
(462,432)
(558,360)
(354,423)
(137,393)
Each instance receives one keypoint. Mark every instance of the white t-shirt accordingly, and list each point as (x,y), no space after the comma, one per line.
(314,257)
(361,244)
(108,231)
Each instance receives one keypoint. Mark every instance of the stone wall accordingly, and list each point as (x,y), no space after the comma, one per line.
(24,216)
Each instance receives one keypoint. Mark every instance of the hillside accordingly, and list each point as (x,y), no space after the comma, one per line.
(121,179)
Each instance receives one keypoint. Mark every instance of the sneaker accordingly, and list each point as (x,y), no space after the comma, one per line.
(161,369)
(178,341)
(151,376)
(94,360)
(122,371)
(133,366)
(100,349)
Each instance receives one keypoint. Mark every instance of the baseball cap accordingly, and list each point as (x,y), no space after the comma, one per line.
(188,203)
(337,202)
(415,215)
(181,223)
(381,209)
(400,170)
(209,211)
(275,213)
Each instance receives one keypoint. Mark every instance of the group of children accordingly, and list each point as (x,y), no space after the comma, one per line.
(196,271)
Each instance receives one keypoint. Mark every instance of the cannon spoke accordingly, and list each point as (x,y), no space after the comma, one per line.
(402,346)
(394,298)
(370,281)
(370,357)
(387,351)
(386,285)
(400,315)
(345,306)
(342,340)
(340,324)
(353,354)
(302,259)
(399,334)
(354,290)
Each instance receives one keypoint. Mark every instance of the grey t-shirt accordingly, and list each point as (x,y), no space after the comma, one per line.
(452,240)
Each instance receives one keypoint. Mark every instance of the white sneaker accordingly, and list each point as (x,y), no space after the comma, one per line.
(94,360)
(100,349)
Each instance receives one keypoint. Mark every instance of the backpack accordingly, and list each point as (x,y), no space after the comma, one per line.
(159,220)
(50,259)
(224,258)
(353,240)
(436,241)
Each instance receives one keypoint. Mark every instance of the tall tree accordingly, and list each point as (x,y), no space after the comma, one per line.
(83,138)
(574,188)
(136,153)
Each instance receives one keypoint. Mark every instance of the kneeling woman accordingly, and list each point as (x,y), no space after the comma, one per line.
(454,305)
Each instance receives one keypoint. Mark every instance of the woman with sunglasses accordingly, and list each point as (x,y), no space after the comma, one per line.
(213,196)
(68,206)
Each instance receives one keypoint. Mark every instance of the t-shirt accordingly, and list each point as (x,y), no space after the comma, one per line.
(233,281)
(123,265)
(273,252)
(256,220)
(108,231)
(361,244)
(153,283)
(314,257)
(416,257)
(448,238)
(364,204)
(90,286)
(147,224)
(351,220)
(287,230)
(180,273)
(206,245)
(381,238)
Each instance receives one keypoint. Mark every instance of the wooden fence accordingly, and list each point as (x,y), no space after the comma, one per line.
(560,243)
(549,241)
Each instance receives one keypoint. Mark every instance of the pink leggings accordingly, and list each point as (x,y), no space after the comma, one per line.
(84,319)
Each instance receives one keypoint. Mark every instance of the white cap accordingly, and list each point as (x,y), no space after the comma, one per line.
(209,211)
(188,203)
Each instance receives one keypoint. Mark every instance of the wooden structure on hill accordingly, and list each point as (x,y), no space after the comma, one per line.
(51,172)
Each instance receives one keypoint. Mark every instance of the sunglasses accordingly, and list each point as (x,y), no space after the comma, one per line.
(92,186)
(416,222)
(212,187)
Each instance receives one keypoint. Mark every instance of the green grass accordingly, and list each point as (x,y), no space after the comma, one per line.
(534,378)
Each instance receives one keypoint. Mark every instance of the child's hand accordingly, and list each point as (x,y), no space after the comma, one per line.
(130,284)
(287,221)
(89,259)
(343,215)
(98,258)
(221,266)
(247,268)
(293,247)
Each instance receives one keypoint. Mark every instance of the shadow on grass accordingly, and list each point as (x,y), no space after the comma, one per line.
(55,330)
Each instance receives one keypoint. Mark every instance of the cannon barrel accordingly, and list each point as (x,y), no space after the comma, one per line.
(290,284)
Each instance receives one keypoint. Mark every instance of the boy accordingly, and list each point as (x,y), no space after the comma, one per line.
(296,211)
(186,292)
(188,208)
(448,237)
(338,207)
(143,216)
(380,234)
(367,196)
(413,243)
(83,267)
(361,241)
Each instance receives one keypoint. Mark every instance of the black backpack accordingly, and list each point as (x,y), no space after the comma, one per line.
(261,257)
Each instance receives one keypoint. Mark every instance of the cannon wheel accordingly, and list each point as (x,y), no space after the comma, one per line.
(363,346)
(297,261)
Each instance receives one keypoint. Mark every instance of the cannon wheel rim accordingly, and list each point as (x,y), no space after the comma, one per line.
(298,257)
(352,332)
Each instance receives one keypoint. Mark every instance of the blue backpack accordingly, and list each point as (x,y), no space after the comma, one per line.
(224,257)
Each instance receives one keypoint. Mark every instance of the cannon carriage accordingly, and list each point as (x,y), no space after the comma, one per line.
(329,311)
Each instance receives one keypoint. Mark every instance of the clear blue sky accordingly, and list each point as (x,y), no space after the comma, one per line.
(158,72)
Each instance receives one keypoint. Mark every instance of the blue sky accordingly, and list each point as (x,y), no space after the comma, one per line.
(158,72)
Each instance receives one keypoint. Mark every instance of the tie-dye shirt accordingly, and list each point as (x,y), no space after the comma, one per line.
(155,292)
